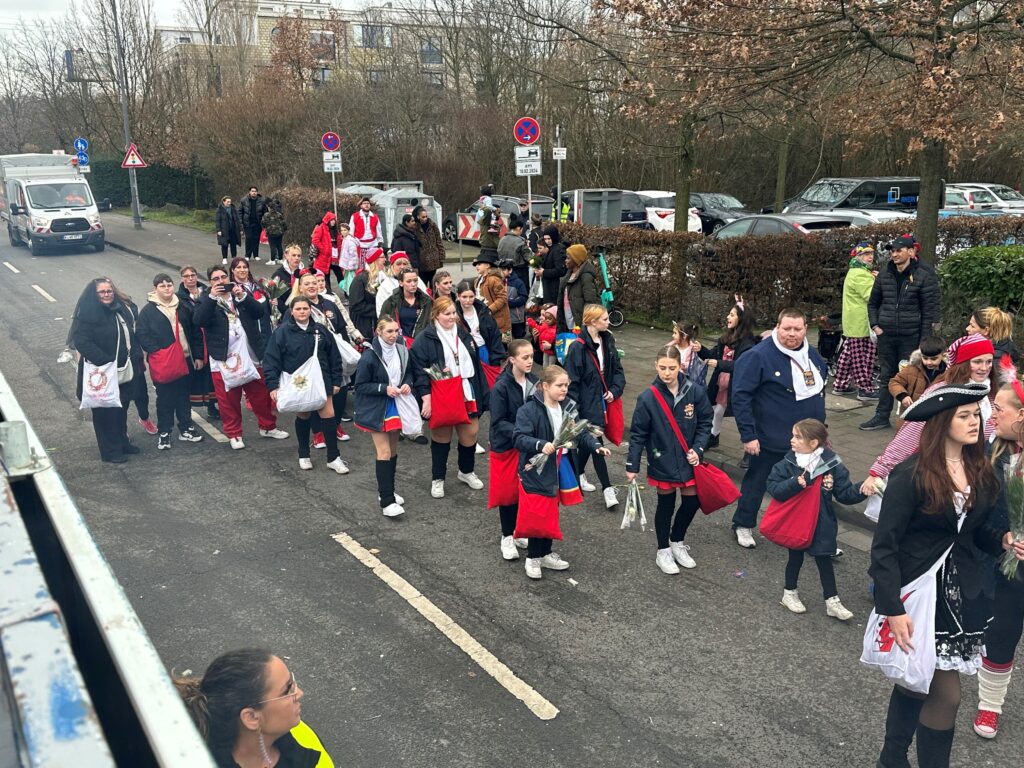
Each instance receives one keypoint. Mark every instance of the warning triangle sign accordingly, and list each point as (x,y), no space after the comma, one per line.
(133,159)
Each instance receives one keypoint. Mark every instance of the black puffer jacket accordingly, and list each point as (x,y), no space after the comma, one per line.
(290,347)
(95,333)
(581,289)
(405,239)
(907,308)
(554,265)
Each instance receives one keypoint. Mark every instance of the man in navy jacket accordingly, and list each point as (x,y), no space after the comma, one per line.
(777,383)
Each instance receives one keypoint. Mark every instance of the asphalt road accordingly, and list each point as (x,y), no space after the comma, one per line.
(220,549)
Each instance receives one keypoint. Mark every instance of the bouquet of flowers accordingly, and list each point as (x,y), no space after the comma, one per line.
(535,261)
(634,507)
(1015,511)
(274,289)
(437,373)
(572,428)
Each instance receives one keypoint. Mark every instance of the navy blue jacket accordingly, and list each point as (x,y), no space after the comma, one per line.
(783,484)
(506,400)
(585,379)
(211,318)
(371,385)
(533,430)
(650,431)
(489,330)
(427,351)
(290,347)
(763,400)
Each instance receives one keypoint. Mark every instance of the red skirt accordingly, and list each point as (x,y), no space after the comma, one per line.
(392,421)
(663,485)
(503,483)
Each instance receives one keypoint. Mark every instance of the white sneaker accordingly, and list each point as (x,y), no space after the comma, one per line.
(338,466)
(666,562)
(224,261)
(480,449)
(553,562)
(470,479)
(837,610)
(681,553)
(236,443)
(393,510)
(508,548)
(305,463)
(791,599)
(398,499)
(610,499)
(522,543)
(533,567)
(437,489)
(745,538)
(586,485)
(275,433)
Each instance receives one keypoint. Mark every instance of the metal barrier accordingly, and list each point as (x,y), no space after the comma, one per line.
(82,684)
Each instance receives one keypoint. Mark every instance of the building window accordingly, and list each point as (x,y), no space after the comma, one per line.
(321,76)
(184,39)
(321,45)
(434,79)
(372,36)
(430,51)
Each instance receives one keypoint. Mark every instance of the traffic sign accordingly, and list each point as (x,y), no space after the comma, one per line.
(330,141)
(526,130)
(332,162)
(528,168)
(81,145)
(83,158)
(527,153)
(558,153)
(132,158)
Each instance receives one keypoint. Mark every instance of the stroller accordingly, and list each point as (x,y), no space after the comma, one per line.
(615,316)
(830,339)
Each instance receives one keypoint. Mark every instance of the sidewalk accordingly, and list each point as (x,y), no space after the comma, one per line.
(172,247)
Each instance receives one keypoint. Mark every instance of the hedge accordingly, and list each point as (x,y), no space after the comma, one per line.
(304,207)
(158,186)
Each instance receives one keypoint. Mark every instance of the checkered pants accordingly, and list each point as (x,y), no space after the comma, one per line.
(856,365)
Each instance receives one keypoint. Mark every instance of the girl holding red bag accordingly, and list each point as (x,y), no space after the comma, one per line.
(597,382)
(455,401)
(668,466)
(513,388)
(538,423)
(811,469)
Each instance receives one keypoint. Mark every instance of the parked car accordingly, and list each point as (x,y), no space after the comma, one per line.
(717,209)
(463,225)
(893,192)
(789,223)
(961,196)
(876,215)
(634,210)
(1006,198)
(661,211)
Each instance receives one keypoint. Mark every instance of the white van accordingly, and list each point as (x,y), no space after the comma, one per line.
(45,201)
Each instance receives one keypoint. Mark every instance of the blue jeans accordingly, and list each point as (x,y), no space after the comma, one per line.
(754,484)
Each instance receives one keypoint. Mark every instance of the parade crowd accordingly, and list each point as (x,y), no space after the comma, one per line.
(352,315)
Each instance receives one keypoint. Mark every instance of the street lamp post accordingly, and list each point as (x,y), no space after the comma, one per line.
(122,76)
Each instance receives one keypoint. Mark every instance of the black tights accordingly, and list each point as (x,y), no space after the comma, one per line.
(583,455)
(338,273)
(508,514)
(668,529)
(825,571)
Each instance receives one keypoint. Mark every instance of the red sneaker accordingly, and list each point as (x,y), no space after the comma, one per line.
(342,437)
(986,724)
(148,425)
(318,440)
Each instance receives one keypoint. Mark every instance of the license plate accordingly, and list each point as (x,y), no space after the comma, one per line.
(73,237)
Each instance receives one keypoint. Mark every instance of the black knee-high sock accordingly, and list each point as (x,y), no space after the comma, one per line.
(688,506)
(508,518)
(330,428)
(385,482)
(315,423)
(394,470)
(438,460)
(467,458)
(663,518)
(302,435)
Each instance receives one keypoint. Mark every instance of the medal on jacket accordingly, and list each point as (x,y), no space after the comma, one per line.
(688,410)
(809,378)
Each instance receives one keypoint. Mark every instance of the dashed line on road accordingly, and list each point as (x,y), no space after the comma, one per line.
(13,268)
(209,429)
(488,662)
(43,293)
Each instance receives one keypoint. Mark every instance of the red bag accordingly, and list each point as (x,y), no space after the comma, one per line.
(537,517)
(447,403)
(614,420)
(503,487)
(491,373)
(169,364)
(714,488)
(791,523)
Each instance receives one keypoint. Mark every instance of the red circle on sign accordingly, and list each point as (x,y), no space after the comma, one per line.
(526,130)
(330,141)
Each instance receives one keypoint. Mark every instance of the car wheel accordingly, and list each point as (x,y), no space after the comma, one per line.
(450,233)
(15,240)
(716,225)
(615,318)
(100,246)
(36,247)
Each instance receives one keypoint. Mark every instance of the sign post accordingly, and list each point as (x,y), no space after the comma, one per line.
(331,142)
(81,147)
(559,155)
(527,133)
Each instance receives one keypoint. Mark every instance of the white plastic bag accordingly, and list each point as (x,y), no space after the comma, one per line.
(238,368)
(409,413)
(349,355)
(873,507)
(99,386)
(303,390)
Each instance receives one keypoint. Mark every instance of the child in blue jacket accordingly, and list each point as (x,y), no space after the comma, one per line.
(808,460)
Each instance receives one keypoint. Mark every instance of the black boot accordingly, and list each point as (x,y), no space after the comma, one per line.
(933,747)
(900,724)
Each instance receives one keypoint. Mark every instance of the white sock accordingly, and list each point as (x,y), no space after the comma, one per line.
(992,688)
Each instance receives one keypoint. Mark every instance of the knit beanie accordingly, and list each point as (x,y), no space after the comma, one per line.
(577,253)
(968,347)
(373,255)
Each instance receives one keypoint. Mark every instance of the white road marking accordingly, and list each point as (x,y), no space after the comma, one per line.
(13,268)
(44,294)
(488,662)
(208,428)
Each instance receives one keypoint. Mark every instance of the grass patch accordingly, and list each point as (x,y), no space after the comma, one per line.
(201,220)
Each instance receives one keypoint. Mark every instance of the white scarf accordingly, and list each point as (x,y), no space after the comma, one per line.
(473,321)
(392,363)
(451,344)
(801,359)
(808,461)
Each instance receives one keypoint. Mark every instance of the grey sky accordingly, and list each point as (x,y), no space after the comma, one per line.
(165,11)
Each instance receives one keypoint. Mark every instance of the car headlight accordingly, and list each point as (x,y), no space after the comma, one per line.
(40,222)
(93,218)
